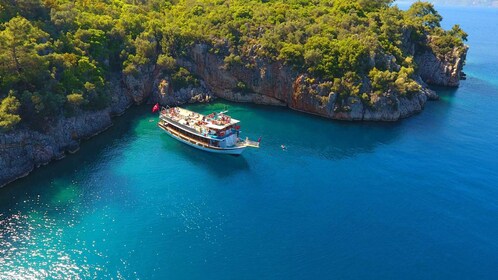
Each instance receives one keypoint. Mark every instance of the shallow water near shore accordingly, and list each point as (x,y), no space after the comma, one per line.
(412,199)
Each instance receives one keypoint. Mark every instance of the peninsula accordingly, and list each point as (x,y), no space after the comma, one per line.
(67,67)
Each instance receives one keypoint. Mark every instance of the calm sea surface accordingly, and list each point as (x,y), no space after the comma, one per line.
(417,199)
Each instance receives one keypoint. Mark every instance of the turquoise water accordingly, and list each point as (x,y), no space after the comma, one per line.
(408,200)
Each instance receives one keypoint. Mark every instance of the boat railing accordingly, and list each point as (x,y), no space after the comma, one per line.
(193,123)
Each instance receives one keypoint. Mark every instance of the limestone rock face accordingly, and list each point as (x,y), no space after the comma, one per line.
(383,108)
(150,85)
(306,96)
(24,149)
(265,83)
(260,81)
(138,85)
(274,83)
(446,71)
(166,95)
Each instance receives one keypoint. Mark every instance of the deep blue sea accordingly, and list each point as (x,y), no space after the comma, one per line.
(416,199)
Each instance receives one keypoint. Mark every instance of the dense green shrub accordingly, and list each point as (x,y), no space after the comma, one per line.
(443,43)
(59,55)
(8,113)
(75,99)
(400,82)
(183,78)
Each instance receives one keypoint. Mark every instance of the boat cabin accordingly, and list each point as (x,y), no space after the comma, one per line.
(215,130)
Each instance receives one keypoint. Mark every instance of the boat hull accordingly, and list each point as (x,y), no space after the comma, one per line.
(227,151)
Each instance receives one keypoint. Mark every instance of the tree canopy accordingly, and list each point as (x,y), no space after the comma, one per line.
(57,56)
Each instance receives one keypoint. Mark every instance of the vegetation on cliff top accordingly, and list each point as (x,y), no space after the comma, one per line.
(58,56)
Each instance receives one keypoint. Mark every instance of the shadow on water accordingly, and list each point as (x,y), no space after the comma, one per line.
(38,212)
(442,107)
(218,164)
(446,94)
(58,181)
(461,101)
(339,140)
(304,133)
(445,91)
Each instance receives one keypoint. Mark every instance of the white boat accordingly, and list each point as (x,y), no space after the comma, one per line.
(216,132)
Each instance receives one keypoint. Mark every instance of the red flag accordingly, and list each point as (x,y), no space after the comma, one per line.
(155,108)
(259,140)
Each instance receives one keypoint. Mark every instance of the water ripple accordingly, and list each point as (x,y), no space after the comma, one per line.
(32,246)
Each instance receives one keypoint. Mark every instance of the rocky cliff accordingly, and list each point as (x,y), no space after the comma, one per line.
(277,84)
(24,149)
(442,71)
(265,82)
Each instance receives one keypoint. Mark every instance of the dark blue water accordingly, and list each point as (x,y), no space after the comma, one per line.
(417,199)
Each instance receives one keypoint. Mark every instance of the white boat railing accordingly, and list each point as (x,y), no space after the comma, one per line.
(177,116)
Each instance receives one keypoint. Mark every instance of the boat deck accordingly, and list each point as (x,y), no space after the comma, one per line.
(198,123)
(216,132)
(242,144)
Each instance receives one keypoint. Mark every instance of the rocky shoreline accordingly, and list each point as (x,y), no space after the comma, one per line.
(270,83)
(274,83)
(22,150)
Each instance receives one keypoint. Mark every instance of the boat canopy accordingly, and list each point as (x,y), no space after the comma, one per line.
(198,122)
(221,126)
(211,133)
